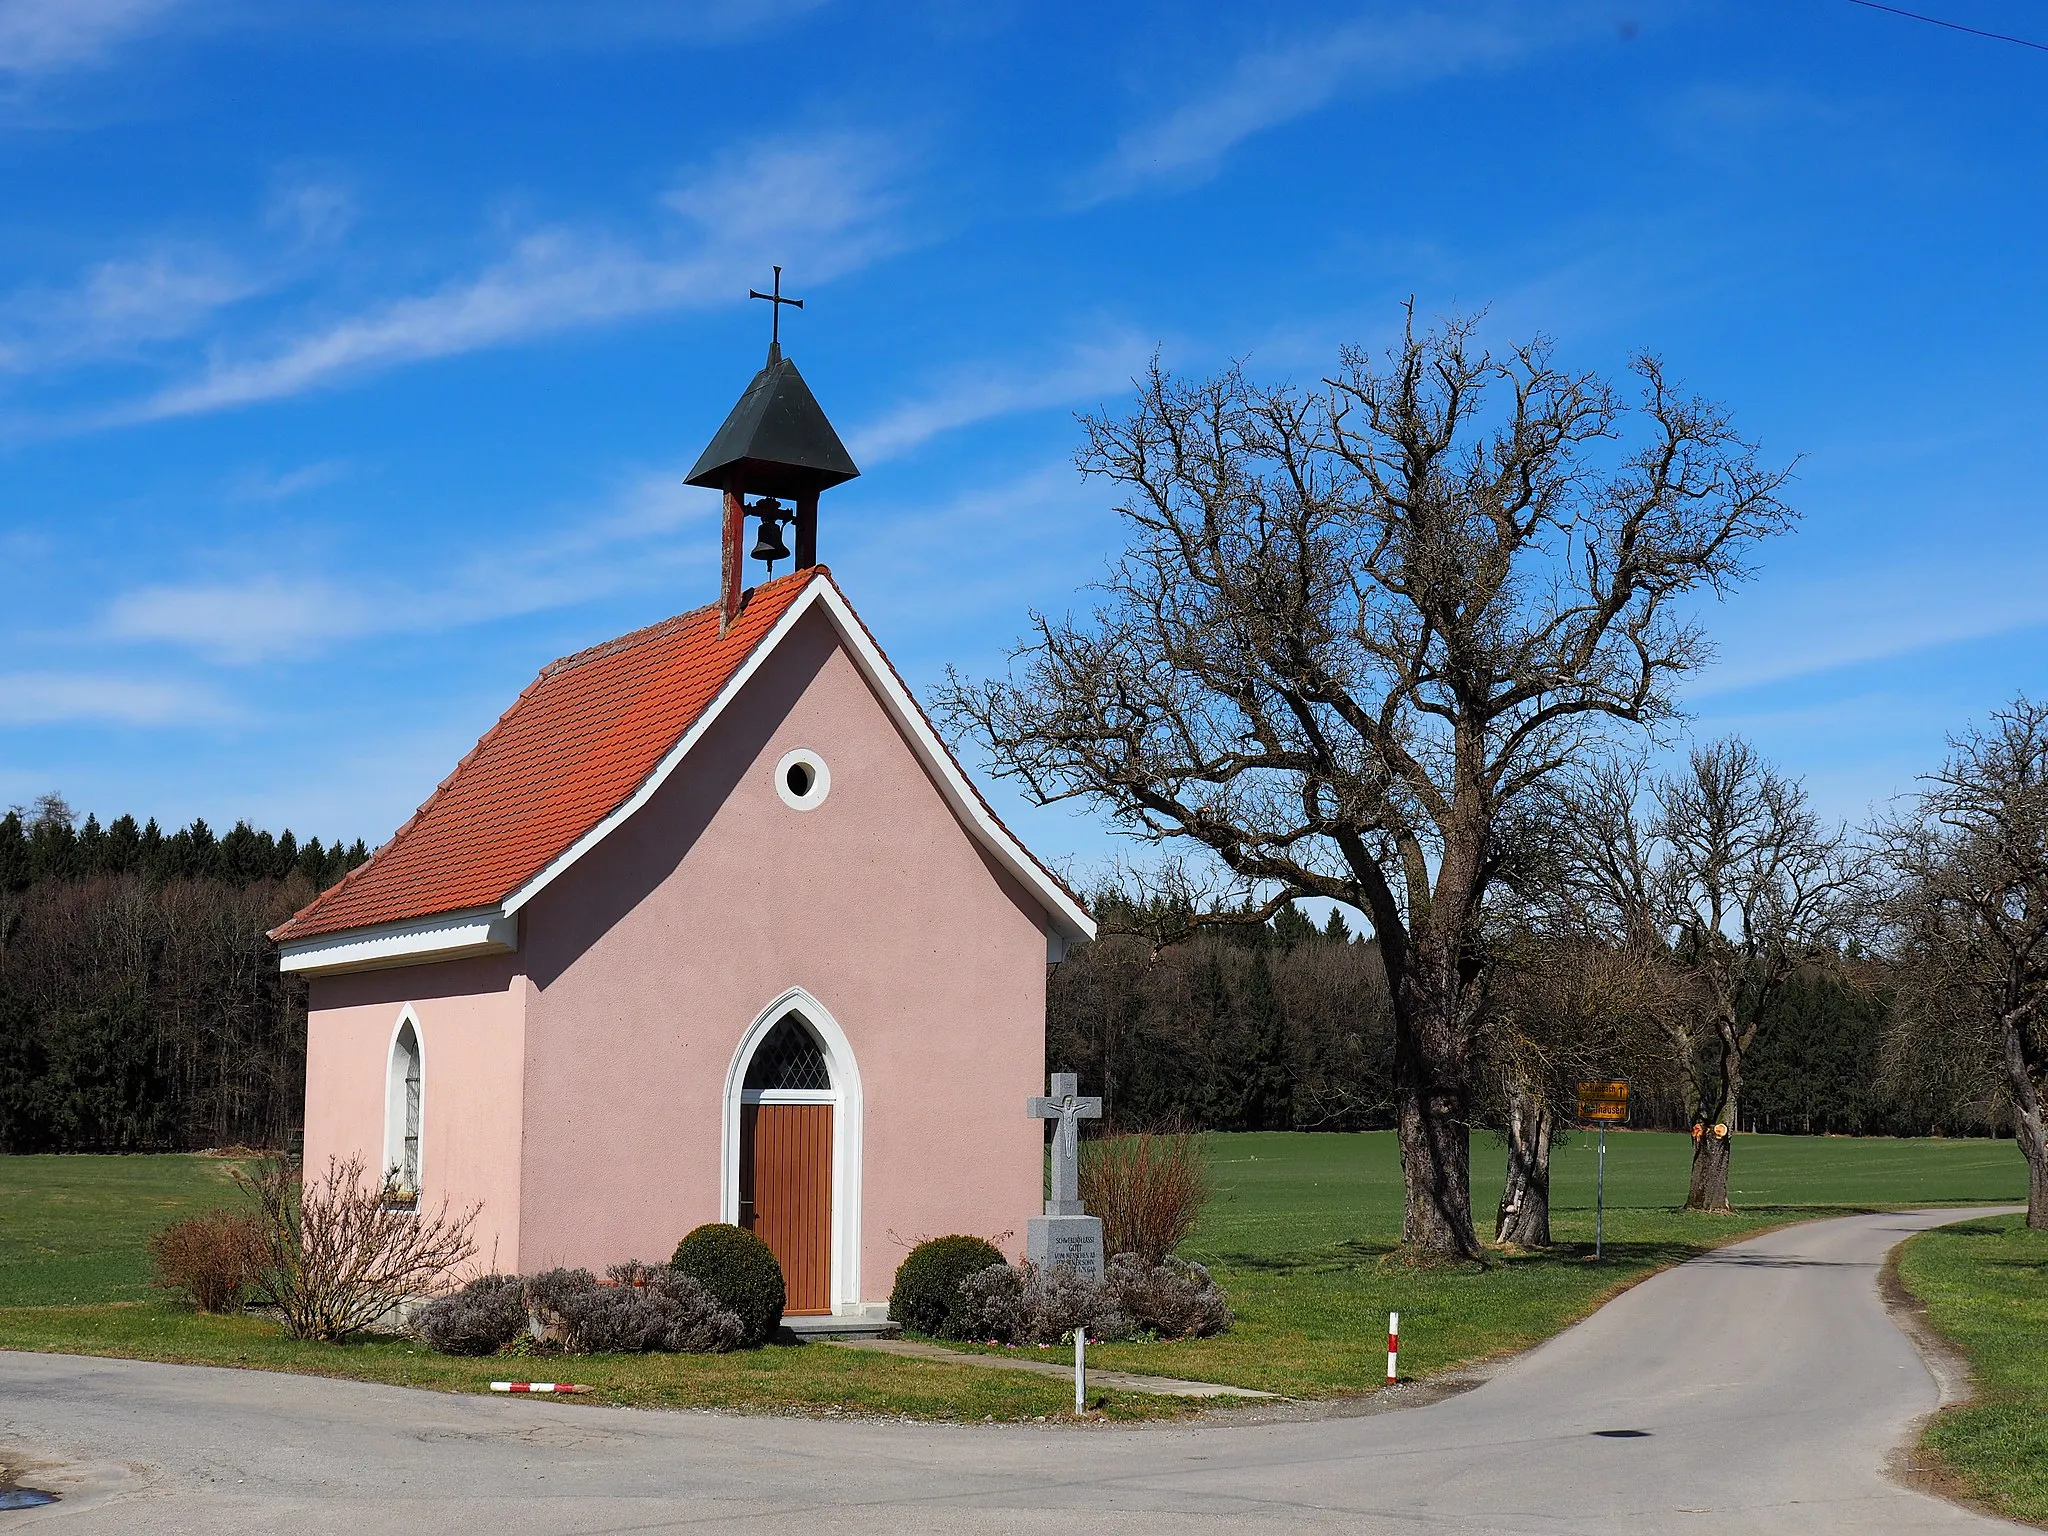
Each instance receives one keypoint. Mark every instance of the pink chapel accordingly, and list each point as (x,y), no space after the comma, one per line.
(710,926)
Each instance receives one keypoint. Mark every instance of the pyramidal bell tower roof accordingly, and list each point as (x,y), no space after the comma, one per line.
(776,441)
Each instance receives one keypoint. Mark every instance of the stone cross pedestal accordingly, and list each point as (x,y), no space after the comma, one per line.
(1066,1236)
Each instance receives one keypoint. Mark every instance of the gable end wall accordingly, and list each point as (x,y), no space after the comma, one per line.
(651,956)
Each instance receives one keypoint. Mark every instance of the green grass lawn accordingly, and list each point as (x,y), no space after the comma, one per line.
(72,1229)
(1985,1285)
(75,1276)
(1297,1233)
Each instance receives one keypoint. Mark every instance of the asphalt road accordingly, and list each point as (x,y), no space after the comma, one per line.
(1760,1389)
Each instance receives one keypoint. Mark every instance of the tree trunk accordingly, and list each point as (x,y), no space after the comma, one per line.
(1433,1094)
(1709,1188)
(1524,1218)
(1710,1152)
(2028,1127)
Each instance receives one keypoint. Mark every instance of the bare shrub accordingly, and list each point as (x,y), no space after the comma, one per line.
(1172,1298)
(480,1319)
(646,1307)
(335,1259)
(1148,1189)
(213,1258)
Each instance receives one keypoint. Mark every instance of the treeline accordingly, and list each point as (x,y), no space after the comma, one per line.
(1276,1027)
(1289,1027)
(141,1005)
(49,844)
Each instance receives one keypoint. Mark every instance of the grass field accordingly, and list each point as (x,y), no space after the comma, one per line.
(1985,1285)
(1297,1233)
(73,1228)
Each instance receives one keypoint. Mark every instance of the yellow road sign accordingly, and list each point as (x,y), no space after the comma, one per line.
(1606,1102)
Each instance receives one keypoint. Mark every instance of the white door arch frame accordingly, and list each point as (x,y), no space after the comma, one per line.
(847,1119)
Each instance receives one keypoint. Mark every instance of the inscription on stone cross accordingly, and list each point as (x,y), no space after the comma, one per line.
(1066,1236)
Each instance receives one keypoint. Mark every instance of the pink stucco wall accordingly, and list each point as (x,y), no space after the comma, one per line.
(471,1021)
(576,1088)
(652,956)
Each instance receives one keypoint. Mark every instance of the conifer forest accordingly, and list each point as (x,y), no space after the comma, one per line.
(141,1005)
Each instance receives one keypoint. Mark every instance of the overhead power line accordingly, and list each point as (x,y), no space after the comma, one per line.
(1953,26)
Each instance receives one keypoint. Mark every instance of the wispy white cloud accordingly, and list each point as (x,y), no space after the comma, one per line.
(119,306)
(252,618)
(56,698)
(1800,628)
(558,24)
(822,204)
(311,212)
(264,484)
(39,36)
(1277,85)
(243,620)
(981,392)
(934,558)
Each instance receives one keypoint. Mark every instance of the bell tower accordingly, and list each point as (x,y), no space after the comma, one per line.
(775,445)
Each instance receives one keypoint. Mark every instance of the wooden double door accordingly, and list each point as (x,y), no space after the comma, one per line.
(786,1196)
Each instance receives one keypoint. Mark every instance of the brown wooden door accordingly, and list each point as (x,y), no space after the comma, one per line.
(786,1196)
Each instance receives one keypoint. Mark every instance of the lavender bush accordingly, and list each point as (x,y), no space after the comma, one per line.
(1028,1305)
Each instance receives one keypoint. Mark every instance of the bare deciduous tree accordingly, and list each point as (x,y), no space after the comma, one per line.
(1565,1007)
(1727,869)
(1757,886)
(1969,917)
(1351,625)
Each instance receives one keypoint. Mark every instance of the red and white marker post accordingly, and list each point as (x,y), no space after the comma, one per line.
(1393,1348)
(537,1386)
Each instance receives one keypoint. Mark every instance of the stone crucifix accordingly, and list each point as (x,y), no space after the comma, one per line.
(1068,1108)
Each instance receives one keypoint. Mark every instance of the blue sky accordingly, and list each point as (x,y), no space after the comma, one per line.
(351,354)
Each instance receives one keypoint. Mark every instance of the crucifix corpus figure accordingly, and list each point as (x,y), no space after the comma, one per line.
(1066,1236)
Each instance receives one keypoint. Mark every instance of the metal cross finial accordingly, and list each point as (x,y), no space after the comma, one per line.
(776,301)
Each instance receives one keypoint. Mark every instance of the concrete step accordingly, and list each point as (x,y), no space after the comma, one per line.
(806,1329)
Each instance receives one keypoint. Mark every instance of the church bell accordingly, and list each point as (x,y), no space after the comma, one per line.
(769,548)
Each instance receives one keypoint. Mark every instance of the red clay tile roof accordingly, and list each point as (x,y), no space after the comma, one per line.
(571,749)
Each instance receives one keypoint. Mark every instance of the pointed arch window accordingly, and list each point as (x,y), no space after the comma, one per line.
(788,1060)
(402,1120)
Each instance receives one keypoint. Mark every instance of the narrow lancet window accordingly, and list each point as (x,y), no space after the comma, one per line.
(402,1151)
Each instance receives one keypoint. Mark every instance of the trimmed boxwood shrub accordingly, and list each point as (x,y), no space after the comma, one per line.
(927,1294)
(736,1267)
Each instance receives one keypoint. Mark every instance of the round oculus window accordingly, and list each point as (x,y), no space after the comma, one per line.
(802,779)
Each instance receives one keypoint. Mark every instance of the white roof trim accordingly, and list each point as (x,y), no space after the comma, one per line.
(1070,919)
(489,931)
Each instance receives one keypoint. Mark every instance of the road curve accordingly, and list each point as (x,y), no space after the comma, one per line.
(1761,1389)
